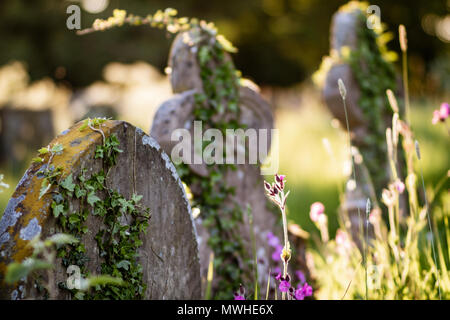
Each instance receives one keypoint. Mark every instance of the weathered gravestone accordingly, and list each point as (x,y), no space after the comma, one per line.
(359,62)
(168,254)
(22,130)
(254,113)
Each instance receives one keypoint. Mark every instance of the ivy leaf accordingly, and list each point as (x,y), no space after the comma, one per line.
(124,264)
(126,205)
(57,148)
(57,209)
(74,219)
(99,152)
(43,150)
(37,160)
(79,295)
(79,192)
(45,186)
(136,198)
(92,198)
(68,184)
(85,124)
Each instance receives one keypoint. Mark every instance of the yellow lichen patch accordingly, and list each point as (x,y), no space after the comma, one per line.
(76,144)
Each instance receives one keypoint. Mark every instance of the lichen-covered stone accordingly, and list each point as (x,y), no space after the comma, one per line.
(169,254)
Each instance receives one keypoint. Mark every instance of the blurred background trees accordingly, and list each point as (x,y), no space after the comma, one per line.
(281,42)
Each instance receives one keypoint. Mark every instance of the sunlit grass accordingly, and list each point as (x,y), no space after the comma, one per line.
(314,176)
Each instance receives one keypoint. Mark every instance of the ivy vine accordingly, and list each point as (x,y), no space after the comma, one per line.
(374,75)
(220,96)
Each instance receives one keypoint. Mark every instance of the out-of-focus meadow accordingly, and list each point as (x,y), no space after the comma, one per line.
(281,44)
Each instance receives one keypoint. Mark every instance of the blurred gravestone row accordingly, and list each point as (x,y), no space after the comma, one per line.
(32,112)
(346,37)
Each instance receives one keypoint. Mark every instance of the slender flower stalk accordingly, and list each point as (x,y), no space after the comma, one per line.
(368,206)
(343,92)
(276,194)
(404,48)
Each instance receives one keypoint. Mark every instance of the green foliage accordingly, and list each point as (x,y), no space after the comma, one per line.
(17,271)
(374,75)
(41,259)
(220,96)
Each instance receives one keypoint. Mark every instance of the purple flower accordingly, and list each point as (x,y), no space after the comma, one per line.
(276,255)
(303,292)
(299,295)
(284,286)
(444,111)
(279,179)
(436,117)
(317,209)
(273,240)
(301,276)
(441,114)
(399,185)
(241,294)
(307,290)
(238,297)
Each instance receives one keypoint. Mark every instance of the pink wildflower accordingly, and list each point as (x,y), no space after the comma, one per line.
(284,286)
(241,294)
(444,111)
(238,297)
(278,277)
(399,185)
(302,292)
(317,209)
(441,114)
(299,295)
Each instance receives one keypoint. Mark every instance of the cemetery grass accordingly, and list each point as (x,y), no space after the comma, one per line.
(312,175)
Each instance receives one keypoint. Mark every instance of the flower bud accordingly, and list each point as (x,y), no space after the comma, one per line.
(267,186)
(342,89)
(402,36)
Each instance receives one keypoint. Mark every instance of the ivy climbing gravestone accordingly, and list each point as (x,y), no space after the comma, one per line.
(98,182)
(361,60)
(200,72)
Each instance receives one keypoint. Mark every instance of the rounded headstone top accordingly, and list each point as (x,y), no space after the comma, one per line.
(183,62)
(344,29)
